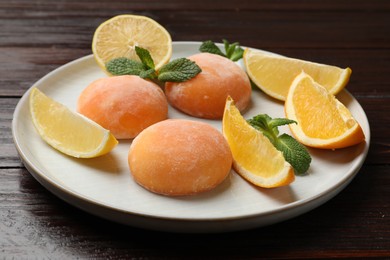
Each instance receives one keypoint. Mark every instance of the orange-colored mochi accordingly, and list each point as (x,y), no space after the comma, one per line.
(179,157)
(205,95)
(125,105)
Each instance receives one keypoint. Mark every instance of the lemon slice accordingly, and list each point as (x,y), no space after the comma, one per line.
(118,36)
(254,157)
(273,73)
(67,131)
(323,121)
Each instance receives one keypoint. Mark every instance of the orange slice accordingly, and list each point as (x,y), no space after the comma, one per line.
(323,121)
(254,156)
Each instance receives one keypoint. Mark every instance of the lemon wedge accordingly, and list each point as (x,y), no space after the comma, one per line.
(67,131)
(274,74)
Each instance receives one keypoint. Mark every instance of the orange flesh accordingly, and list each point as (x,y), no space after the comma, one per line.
(125,105)
(179,157)
(205,95)
(330,126)
(323,121)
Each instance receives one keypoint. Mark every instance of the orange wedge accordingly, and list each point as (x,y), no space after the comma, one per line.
(323,121)
(273,73)
(255,157)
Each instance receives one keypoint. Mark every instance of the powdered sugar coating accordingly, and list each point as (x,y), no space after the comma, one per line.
(205,95)
(179,157)
(125,105)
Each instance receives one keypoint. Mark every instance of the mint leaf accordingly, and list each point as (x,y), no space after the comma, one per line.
(269,126)
(238,54)
(229,48)
(178,70)
(145,57)
(210,47)
(148,74)
(233,51)
(261,123)
(275,122)
(124,66)
(294,152)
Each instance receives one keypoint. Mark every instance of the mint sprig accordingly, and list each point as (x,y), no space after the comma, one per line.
(145,57)
(233,51)
(294,152)
(125,66)
(177,70)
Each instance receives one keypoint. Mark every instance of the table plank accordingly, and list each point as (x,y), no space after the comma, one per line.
(201,5)
(39,36)
(35,221)
(254,23)
(33,63)
(25,66)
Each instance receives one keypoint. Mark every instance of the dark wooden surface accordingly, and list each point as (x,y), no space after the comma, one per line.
(37,36)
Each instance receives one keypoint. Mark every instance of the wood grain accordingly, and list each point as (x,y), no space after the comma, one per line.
(38,36)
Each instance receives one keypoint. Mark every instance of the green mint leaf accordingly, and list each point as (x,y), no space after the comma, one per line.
(275,122)
(148,74)
(210,47)
(229,47)
(238,54)
(262,123)
(233,50)
(294,152)
(124,66)
(253,85)
(178,70)
(145,57)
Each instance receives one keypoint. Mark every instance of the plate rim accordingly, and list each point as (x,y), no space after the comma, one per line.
(56,188)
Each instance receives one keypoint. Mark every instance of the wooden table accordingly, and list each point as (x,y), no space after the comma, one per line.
(38,36)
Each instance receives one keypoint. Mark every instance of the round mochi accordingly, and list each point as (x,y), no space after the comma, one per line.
(179,157)
(125,105)
(205,95)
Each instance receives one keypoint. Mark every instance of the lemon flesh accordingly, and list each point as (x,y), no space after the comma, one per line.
(67,131)
(274,73)
(118,37)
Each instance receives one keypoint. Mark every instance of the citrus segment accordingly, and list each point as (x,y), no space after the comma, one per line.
(323,121)
(67,131)
(273,74)
(118,37)
(254,156)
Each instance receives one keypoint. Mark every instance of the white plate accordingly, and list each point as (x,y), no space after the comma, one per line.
(104,186)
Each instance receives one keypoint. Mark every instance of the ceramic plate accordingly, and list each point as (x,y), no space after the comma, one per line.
(104,187)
